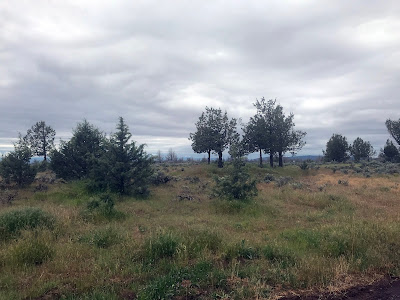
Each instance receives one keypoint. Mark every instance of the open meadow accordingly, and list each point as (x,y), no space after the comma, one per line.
(317,230)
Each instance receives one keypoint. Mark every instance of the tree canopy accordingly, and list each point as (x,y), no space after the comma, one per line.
(214,132)
(40,138)
(337,149)
(361,149)
(394,129)
(76,158)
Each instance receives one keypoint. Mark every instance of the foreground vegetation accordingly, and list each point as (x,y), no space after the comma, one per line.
(315,227)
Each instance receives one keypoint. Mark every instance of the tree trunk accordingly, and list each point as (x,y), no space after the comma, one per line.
(280,159)
(261,159)
(220,163)
(209,156)
(271,160)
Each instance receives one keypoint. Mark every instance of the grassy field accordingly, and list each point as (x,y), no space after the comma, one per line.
(306,230)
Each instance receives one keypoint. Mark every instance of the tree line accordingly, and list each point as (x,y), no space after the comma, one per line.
(117,164)
(111,163)
(339,150)
(269,131)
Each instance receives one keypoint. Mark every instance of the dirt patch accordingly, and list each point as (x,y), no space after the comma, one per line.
(385,289)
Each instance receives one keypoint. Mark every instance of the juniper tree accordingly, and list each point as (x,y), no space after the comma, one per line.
(16,167)
(214,132)
(390,152)
(77,158)
(337,149)
(361,149)
(394,129)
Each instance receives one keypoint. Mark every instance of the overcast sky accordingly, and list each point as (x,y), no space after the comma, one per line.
(158,64)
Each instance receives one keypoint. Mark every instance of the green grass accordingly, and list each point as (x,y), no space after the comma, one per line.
(72,244)
(14,221)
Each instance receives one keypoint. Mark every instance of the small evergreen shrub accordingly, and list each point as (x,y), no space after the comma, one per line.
(268,178)
(237,185)
(304,165)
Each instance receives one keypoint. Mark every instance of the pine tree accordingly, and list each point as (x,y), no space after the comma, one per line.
(41,139)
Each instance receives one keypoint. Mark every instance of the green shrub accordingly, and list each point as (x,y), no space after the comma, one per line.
(101,207)
(12,222)
(237,185)
(31,252)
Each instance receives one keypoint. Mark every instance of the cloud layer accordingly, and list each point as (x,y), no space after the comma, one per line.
(334,64)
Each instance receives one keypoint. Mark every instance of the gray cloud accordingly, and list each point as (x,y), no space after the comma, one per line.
(334,64)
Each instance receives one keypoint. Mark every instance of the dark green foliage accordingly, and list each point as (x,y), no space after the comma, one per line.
(304,165)
(271,131)
(361,149)
(12,222)
(101,207)
(238,185)
(337,149)
(214,132)
(77,158)
(125,168)
(41,139)
(161,246)
(16,166)
(31,252)
(390,153)
(394,129)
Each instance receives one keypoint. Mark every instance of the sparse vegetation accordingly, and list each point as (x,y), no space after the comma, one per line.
(303,230)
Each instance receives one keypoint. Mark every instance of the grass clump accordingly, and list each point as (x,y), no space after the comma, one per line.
(185,282)
(14,221)
(31,252)
(242,251)
(280,255)
(198,241)
(102,238)
(163,245)
(101,207)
